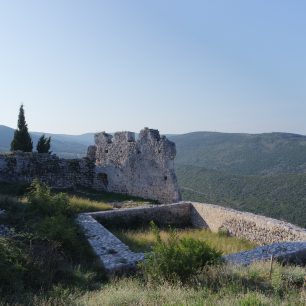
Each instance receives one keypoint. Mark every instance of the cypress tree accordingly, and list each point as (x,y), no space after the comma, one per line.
(22,140)
(43,145)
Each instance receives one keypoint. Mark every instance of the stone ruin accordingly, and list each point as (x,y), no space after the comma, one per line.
(119,163)
(142,167)
(279,240)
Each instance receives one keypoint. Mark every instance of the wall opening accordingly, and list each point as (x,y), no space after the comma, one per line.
(102,177)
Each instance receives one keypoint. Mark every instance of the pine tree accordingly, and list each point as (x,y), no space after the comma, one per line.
(43,145)
(22,140)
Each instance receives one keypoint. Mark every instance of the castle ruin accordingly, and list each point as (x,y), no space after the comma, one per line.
(119,163)
(142,167)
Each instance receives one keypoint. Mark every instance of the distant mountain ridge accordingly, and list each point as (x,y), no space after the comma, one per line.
(68,146)
(247,154)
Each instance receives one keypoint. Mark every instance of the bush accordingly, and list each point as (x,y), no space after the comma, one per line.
(61,229)
(12,266)
(43,202)
(177,258)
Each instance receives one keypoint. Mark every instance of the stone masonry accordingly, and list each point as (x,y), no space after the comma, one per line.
(121,164)
(56,172)
(279,239)
(142,167)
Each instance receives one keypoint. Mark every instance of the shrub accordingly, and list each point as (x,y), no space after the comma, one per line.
(177,258)
(12,266)
(60,229)
(43,202)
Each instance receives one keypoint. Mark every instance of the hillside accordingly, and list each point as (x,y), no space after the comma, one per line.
(249,154)
(280,196)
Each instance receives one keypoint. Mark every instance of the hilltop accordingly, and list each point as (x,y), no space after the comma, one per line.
(260,173)
(248,154)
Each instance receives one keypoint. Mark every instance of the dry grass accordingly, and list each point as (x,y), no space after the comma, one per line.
(223,285)
(86,205)
(144,239)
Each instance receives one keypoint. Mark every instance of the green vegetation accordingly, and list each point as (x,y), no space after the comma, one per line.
(177,259)
(243,154)
(43,144)
(47,249)
(279,196)
(22,140)
(214,285)
(143,239)
(47,261)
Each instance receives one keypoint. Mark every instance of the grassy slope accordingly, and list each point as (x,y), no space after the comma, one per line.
(280,196)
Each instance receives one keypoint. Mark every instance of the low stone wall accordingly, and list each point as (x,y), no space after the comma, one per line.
(294,252)
(115,256)
(288,241)
(50,169)
(171,214)
(256,228)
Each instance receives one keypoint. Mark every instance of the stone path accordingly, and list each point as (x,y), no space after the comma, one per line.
(282,251)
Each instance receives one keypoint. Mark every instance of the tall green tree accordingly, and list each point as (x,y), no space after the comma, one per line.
(22,140)
(44,144)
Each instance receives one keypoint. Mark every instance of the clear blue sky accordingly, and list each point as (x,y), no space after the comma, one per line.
(179,66)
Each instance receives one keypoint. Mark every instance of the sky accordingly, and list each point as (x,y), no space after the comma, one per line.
(178,66)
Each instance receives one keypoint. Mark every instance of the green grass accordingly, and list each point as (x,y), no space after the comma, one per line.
(49,262)
(223,285)
(141,240)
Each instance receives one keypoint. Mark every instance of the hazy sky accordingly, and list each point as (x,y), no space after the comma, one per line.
(179,66)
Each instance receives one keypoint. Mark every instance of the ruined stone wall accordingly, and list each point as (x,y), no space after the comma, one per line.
(177,214)
(54,171)
(142,167)
(257,228)
(120,164)
(288,241)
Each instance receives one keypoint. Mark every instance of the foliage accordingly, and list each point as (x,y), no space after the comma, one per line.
(43,202)
(38,267)
(22,140)
(59,228)
(47,247)
(177,258)
(43,144)
(279,196)
(242,154)
(12,266)
(216,285)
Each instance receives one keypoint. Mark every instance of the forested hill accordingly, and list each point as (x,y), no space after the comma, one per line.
(249,154)
(281,196)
